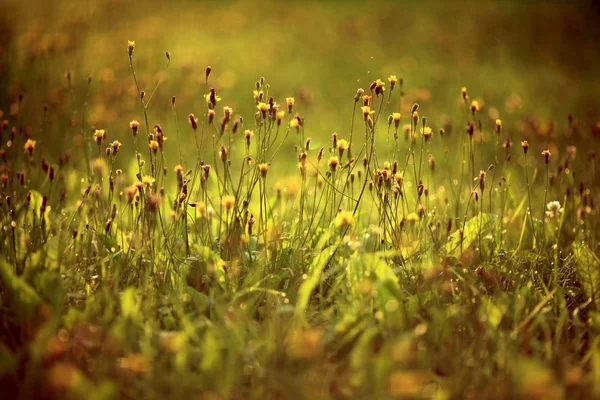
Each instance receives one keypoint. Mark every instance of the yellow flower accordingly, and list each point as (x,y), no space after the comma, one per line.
(263,168)
(379,87)
(290,103)
(427,132)
(178,169)
(280,115)
(333,163)
(257,96)
(393,80)
(153,145)
(148,180)
(498,125)
(29,146)
(228,202)
(130,47)
(475,106)
(207,98)
(525,146)
(263,108)
(99,135)
(116,145)
(134,125)
(343,220)
(366,110)
(295,123)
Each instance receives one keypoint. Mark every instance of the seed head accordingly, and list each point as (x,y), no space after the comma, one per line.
(358,95)
(248,135)
(193,121)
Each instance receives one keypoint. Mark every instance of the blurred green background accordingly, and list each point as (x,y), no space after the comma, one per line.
(521,59)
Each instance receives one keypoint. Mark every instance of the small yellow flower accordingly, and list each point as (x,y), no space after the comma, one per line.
(546,154)
(498,125)
(228,202)
(263,168)
(257,96)
(525,146)
(29,146)
(134,125)
(153,145)
(99,135)
(148,180)
(248,135)
(263,108)
(366,110)
(475,106)
(393,80)
(290,103)
(295,123)
(463,91)
(333,163)
(427,132)
(343,220)
(178,169)
(379,87)
(130,47)
(280,115)
(207,97)
(116,145)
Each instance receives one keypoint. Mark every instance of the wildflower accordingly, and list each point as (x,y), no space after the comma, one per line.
(211,98)
(343,220)
(116,145)
(29,146)
(554,210)
(470,128)
(427,133)
(248,135)
(498,126)
(333,163)
(178,169)
(546,154)
(290,103)
(263,168)
(211,116)
(279,116)
(134,125)
(366,110)
(153,146)
(463,91)
(358,95)
(379,87)
(393,80)
(227,111)
(193,121)
(475,106)
(525,146)
(99,135)
(228,202)
(148,180)
(223,154)
(342,145)
(482,174)
(263,108)
(295,123)
(130,47)
(366,100)
(396,119)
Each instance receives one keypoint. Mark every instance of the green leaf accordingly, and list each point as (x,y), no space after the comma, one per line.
(482,222)
(22,298)
(314,273)
(588,267)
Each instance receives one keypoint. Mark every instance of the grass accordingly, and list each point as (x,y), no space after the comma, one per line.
(246,252)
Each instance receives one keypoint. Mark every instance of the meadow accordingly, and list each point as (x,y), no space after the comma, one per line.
(312,200)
